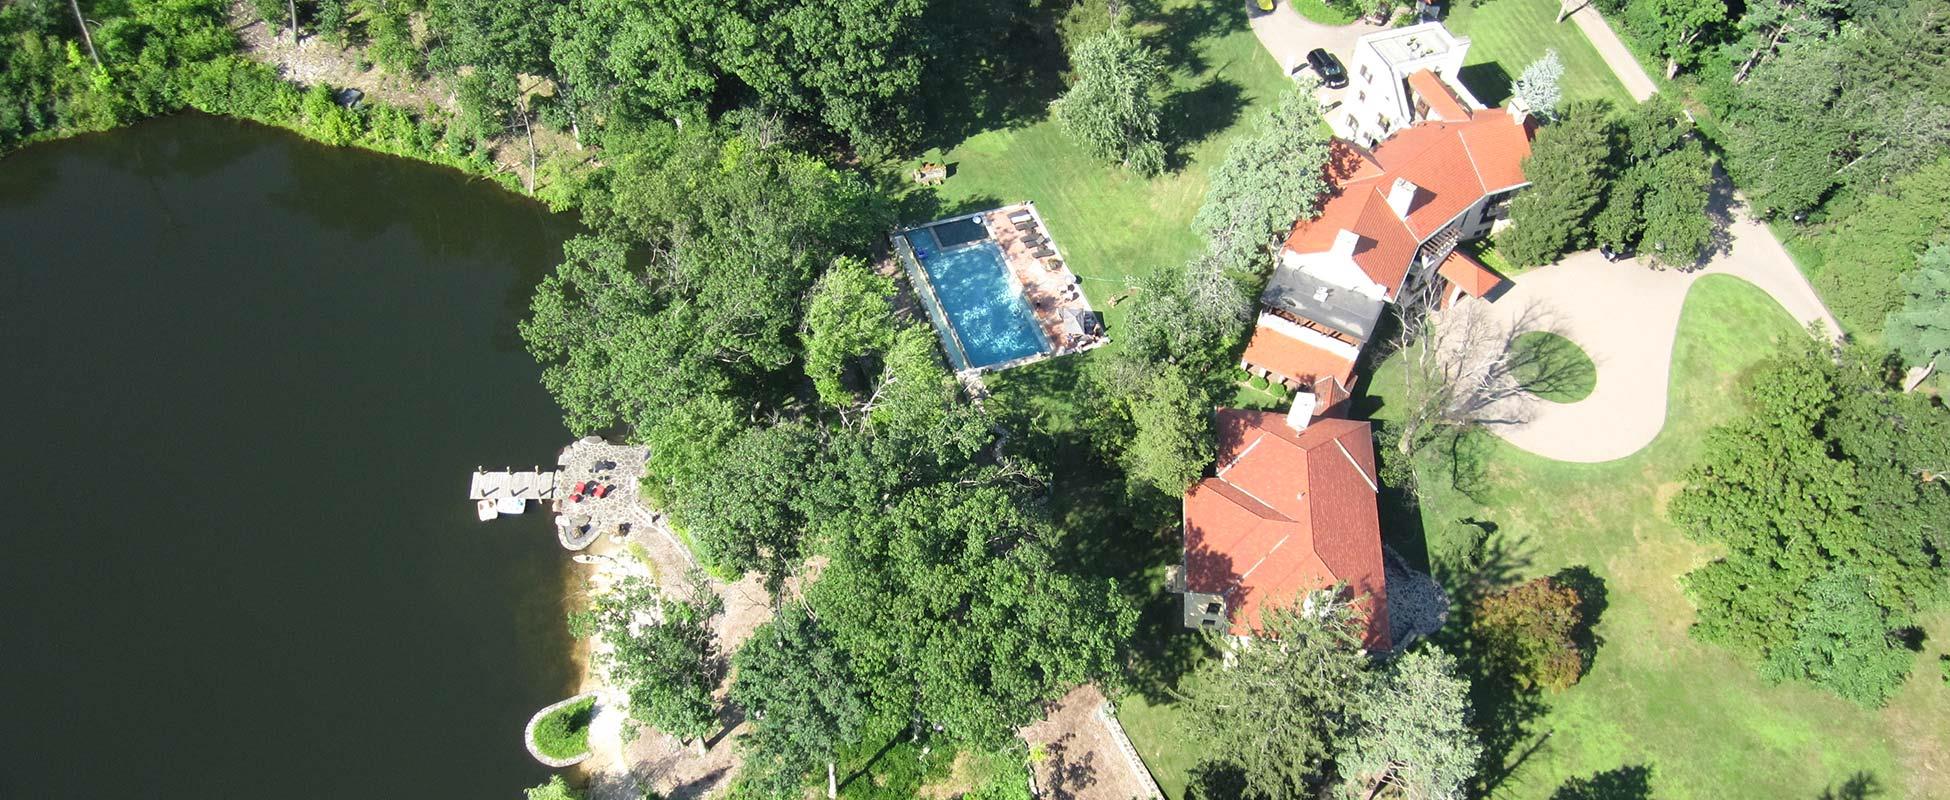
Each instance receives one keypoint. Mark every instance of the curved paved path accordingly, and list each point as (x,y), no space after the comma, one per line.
(1626,315)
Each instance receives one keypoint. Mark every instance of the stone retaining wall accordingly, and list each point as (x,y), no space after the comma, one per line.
(528,733)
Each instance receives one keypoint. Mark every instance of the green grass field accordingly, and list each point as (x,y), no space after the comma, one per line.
(1698,717)
(1553,367)
(1112,225)
(1506,35)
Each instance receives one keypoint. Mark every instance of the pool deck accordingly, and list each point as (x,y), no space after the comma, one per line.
(1047,283)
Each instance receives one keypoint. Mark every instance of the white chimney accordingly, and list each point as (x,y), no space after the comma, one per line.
(1302,411)
(1401,195)
(1517,110)
(1345,241)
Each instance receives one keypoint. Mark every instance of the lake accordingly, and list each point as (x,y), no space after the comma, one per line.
(248,376)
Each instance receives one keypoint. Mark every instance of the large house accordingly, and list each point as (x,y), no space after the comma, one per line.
(1442,172)
(1290,512)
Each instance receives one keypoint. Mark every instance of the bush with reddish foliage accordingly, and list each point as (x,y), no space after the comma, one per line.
(1532,630)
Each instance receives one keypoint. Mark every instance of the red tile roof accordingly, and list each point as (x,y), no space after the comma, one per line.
(1288,513)
(1468,274)
(1452,164)
(1443,102)
(1295,359)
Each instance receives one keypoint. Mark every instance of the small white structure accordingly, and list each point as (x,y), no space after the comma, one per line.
(507,491)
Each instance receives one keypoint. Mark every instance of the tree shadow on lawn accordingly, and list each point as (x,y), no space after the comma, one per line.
(1631,782)
(1859,786)
(1194,115)
(1489,82)
(1592,602)
(1183,27)
(1505,710)
(999,65)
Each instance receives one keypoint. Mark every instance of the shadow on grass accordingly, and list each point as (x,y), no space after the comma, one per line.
(1506,711)
(1489,82)
(1592,602)
(997,65)
(1859,786)
(1194,115)
(1184,26)
(1632,782)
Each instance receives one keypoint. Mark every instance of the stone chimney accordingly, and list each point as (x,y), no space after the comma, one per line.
(1302,411)
(1344,243)
(1401,195)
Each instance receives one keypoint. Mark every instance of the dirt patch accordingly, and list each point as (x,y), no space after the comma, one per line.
(1074,756)
(315,59)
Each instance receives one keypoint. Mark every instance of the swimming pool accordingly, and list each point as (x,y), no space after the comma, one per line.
(991,320)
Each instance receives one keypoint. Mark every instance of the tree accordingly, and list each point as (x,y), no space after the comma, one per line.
(1567,173)
(1530,631)
(1676,29)
(554,789)
(1173,441)
(1270,178)
(1677,230)
(1829,475)
(1768,25)
(745,512)
(1413,734)
(1877,243)
(804,700)
(1281,703)
(849,315)
(1111,108)
(661,653)
(1537,87)
(1920,333)
(955,614)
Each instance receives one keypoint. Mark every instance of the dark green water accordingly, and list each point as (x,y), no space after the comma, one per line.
(246,379)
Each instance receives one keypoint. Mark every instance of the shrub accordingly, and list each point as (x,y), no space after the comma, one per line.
(564,733)
(1531,630)
(1259,382)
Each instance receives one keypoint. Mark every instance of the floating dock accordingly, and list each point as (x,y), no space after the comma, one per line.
(531,485)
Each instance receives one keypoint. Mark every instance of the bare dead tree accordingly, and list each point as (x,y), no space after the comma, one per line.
(1463,368)
(81,23)
(292,6)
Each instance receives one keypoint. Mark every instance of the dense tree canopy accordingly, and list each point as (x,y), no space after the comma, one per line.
(850,315)
(1412,730)
(1567,172)
(1269,178)
(1920,333)
(1829,476)
(1111,108)
(805,702)
(662,653)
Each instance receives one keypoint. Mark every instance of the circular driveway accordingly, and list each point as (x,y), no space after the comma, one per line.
(1625,315)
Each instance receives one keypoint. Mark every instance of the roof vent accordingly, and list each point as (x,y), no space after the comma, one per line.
(1321,293)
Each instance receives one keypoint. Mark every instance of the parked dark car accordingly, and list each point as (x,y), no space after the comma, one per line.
(1330,69)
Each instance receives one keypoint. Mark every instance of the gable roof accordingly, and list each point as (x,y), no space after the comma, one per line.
(1452,165)
(1468,274)
(1289,512)
(1443,103)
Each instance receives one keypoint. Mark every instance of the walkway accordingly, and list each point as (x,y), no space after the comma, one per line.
(1625,315)
(1616,56)
(1085,756)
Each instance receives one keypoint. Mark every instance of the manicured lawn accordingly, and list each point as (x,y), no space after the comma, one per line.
(1167,749)
(1698,717)
(1506,35)
(1552,367)
(1113,225)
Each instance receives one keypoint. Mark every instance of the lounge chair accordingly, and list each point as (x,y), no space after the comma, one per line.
(1021,215)
(1043,252)
(1026,226)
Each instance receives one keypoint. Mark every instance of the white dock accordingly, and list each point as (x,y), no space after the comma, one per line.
(530,485)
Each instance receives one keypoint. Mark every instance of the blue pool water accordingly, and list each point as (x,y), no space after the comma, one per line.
(987,312)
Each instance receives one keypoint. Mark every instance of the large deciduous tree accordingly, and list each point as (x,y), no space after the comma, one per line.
(1172,445)
(661,653)
(1567,173)
(849,315)
(1869,251)
(1831,474)
(1412,733)
(1111,108)
(1280,705)
(746,512)
(805,702)
(955,613)
(1677,29)
(1270,178)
